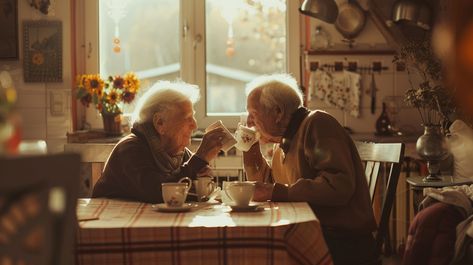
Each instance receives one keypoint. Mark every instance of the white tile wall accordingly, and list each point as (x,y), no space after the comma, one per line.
(38,122)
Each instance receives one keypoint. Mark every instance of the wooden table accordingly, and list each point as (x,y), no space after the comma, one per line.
(134,233)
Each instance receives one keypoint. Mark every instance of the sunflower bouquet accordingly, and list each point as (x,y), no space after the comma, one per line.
(108,95)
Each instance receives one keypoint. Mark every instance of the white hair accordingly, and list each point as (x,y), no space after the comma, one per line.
(162,96)
(277,90)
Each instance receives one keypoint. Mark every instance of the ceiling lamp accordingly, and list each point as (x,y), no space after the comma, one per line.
(325,10)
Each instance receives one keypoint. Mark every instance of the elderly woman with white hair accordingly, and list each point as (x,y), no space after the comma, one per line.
(155,152)
(314,161)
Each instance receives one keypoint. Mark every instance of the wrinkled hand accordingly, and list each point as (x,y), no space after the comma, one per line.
(211,144)
(263,191)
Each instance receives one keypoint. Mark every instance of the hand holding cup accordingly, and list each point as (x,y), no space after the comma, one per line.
(246,137)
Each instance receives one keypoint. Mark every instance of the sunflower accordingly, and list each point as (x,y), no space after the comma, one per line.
(113,97)
(94,84)
(38,58)
(132,84)
(107,95)
(80,80)
(128,97)
(118,82)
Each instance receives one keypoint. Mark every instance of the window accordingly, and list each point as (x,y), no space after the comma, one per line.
(218,45)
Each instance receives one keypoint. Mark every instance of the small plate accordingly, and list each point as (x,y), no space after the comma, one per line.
(162,207)
(252,207)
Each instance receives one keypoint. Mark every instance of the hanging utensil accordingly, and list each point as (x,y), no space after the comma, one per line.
(351,20)
(373,94)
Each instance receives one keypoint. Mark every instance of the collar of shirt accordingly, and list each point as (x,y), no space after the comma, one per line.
(296,119)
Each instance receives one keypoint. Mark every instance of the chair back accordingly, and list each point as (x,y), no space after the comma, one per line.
(38,197)
(379,159)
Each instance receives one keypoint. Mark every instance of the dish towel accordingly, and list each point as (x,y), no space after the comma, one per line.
(338,89)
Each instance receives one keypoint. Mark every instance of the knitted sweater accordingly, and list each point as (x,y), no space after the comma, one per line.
(320,165)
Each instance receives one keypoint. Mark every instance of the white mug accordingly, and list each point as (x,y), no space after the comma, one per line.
(204,186)
(246,138)
(175,193)
(240,192)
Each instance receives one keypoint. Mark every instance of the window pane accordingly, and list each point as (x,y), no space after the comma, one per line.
(245,38)
(140,36)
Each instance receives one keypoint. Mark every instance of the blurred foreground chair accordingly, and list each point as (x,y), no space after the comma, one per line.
(382,159)
(38,197)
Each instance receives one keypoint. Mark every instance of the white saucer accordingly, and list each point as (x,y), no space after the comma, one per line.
(252,207)
(162,207)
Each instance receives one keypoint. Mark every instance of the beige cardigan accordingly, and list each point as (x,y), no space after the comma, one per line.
(322,167)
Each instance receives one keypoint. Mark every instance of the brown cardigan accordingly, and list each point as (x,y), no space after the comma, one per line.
(321,166)
(132,173)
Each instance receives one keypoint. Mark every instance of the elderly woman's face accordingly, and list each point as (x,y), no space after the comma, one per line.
(178,126)
(264,122)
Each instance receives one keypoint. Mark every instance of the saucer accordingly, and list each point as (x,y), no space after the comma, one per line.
(162,207)
(252,207)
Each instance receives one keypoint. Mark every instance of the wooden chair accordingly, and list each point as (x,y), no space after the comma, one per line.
(38,197)
(379,159)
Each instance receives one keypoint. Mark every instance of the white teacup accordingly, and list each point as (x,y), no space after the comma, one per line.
(240,192)
(229,140)
(246,138)
(225,199)
(204,186)
(175,193)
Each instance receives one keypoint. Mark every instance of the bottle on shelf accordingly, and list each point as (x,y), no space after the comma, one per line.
(383,123)
(320,39)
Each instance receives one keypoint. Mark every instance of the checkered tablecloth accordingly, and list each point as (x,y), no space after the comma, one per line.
(134,233)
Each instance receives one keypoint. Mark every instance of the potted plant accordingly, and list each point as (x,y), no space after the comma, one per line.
(431,98)
(108,96)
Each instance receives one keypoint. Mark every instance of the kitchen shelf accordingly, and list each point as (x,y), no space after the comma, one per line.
(350,52)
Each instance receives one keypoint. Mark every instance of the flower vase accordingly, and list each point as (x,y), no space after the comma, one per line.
(112,124)
(432,147)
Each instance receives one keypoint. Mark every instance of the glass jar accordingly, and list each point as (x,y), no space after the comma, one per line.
(320,39)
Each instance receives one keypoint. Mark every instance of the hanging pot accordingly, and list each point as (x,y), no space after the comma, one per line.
(351,19)
(412,12)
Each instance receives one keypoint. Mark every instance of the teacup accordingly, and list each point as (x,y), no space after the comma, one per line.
(229,140)
(239,192)
(225,199)
(175,193)
(246,138)
(204,186)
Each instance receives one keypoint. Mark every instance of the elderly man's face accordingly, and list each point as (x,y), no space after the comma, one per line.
(178,126)
(264,122)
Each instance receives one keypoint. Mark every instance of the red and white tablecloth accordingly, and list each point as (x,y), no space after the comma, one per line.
(134,233)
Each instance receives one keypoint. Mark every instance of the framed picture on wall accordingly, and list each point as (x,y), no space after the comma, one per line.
(8,29)
(42,49)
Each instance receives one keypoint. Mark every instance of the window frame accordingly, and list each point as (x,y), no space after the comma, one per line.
(193,69)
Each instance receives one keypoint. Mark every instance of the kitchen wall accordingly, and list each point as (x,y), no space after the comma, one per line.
(46,107)
(391,84)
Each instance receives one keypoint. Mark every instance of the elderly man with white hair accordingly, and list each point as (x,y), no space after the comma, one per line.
(314,161)
(155,152)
